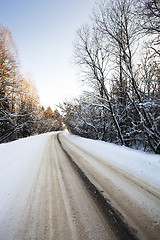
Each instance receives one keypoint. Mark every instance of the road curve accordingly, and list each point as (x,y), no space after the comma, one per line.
(59,205)
(137,202)
(68,193)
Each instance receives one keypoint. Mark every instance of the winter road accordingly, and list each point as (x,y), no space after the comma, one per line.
(78,196)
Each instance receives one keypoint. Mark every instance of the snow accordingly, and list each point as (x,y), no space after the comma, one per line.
(145,166)
(19,161)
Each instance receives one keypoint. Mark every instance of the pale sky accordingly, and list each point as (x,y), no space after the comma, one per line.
(44,32)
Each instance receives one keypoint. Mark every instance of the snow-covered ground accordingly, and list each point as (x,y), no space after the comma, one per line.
(18,158)
(23,155)
(19,161)
(145,166)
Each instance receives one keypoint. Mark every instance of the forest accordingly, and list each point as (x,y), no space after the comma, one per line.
(21,114)
(118,58)
(117,55)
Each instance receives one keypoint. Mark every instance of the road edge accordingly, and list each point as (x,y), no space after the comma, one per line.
(119,225)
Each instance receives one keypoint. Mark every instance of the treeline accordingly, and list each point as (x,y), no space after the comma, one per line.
(21,114)
(118,54)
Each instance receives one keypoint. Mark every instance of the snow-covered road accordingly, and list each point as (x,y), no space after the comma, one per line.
(133,196)
(42,195)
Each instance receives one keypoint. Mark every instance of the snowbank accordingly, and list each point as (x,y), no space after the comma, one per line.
(19,161)
(145,166)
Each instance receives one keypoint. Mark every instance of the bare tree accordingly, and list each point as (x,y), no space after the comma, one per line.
(149,13)
(8,82)
(92,54)
(117,23)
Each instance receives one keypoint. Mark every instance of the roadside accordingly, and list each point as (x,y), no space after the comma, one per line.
(138,202)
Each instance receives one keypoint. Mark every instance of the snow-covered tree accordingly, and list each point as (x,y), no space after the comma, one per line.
(108,54)
(92,55)
(8,83)
(20,110)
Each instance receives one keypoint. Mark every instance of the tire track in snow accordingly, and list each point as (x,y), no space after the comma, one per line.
(59,206)
(138,206)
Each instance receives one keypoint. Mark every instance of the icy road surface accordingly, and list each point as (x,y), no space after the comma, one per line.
(42,195)
(128,192)
(45,198)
